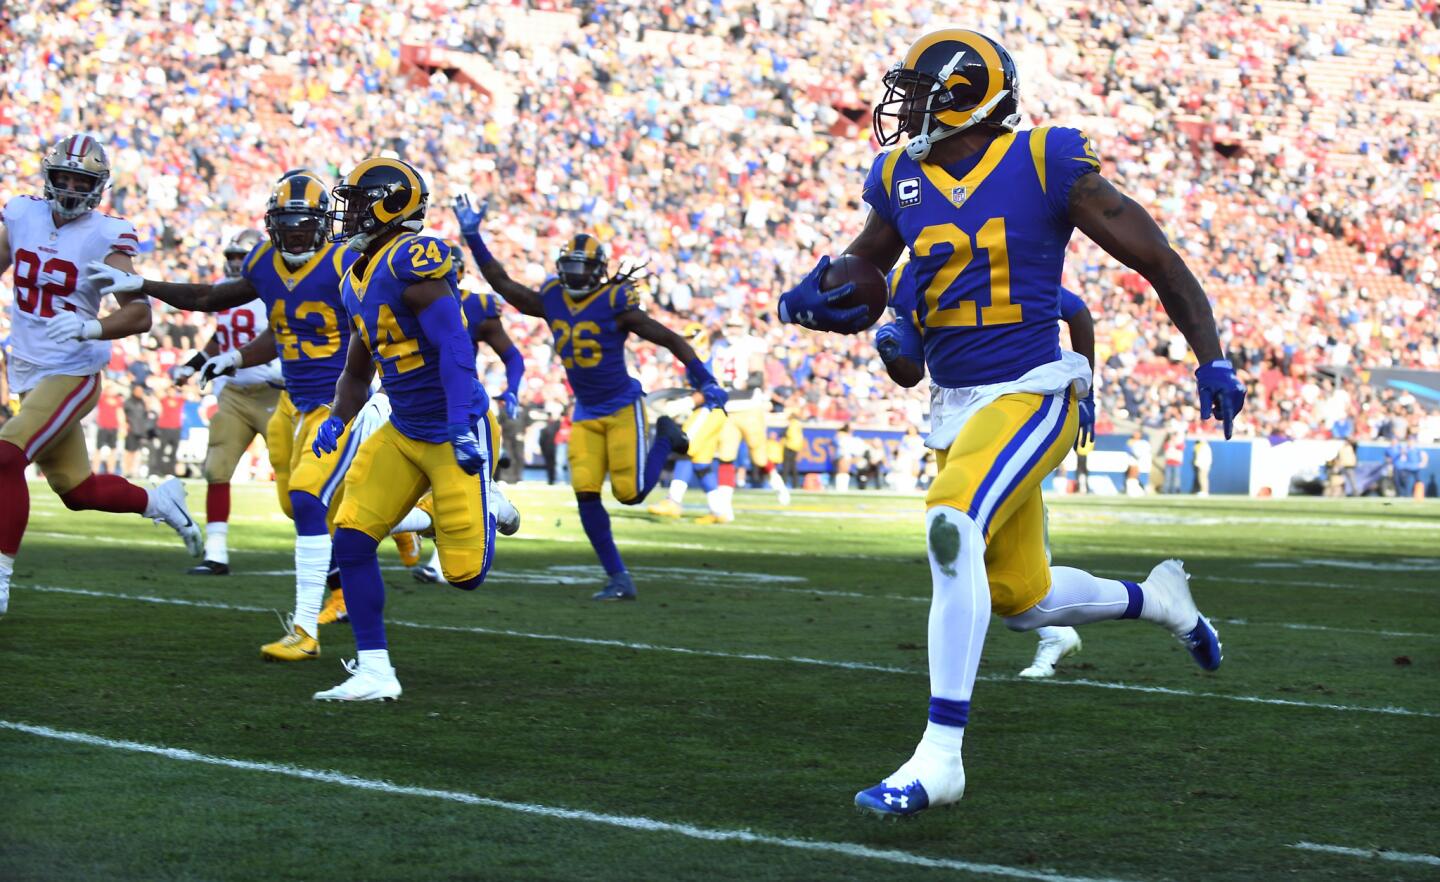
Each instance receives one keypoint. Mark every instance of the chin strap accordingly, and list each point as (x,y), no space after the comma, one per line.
(919,146)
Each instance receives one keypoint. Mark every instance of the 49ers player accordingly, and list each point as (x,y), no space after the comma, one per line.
(59,345)
(247,401)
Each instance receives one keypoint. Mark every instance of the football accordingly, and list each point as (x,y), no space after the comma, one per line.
(870,288)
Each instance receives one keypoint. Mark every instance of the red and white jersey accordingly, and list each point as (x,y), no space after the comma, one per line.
(237,326)
(732,362)
(49,274)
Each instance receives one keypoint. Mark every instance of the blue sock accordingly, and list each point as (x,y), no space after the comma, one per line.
(597,527)
(709,478)
(1137,600)
(654,464)
(944,711)
(364,587)
(684,471)
(310,514)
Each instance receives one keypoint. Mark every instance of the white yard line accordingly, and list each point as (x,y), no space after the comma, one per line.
(1403,857)
(627,822)
(762,657)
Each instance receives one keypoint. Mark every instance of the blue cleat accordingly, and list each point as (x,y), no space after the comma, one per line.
(1203,641)
(620,587)
(893,802)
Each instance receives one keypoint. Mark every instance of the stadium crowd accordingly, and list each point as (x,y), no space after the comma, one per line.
(725,142)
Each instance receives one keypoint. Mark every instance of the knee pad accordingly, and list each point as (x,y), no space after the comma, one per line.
(352,547)
(310,513)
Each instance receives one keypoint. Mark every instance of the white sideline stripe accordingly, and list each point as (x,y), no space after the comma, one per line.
(1400,856)
(1296,626)
(626,822)
(754,656)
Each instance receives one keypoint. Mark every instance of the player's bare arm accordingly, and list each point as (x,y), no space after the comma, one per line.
(133,316)
(905,372)
(110,278)
(522,297)
(1128,233)
(492,334)
(352,387)
(646,328)
(261,350)
(878,243)
(1082,334)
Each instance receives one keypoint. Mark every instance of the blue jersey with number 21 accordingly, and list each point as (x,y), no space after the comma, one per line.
(987,241)
(409,364)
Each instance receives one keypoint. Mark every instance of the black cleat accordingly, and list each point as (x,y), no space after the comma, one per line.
(209,568)
(668,428)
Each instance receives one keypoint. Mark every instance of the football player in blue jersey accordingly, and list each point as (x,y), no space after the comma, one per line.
(481,310)
(296,273)
(1056,642)
(401,298)
(590,314)
(986,212)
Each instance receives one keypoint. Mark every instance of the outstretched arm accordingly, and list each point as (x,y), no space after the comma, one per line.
(112,278)
(701,380)
(517,295)
(1128,233)
(493,334)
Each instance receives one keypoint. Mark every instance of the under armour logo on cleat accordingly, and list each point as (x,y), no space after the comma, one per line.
(902,800)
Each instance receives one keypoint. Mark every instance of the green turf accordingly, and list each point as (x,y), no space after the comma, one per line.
(1071,778)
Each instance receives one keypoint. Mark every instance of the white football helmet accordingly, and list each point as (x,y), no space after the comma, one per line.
(81,157)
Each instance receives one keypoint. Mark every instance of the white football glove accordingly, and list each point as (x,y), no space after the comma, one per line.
(110,280)
(224,364)
(68,326)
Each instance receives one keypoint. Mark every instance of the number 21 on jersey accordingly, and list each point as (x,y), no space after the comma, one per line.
(967,313)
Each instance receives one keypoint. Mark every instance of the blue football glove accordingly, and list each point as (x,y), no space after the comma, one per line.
(1085,414)
(810,307)
(468,216)
(887,342)
(715,397)
(467,448)
(1221,392)
(327,440)
(511,402)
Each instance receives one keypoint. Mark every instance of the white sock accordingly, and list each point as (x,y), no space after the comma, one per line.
(776,482)
(842,481)
(312,561)
(434,563)
(677,491)
(7,568)
(727,501)
(715,500)
(1075,598)
(216,548)
(150,510)
(375,661)
(960,605)
(413,522)
(946,739)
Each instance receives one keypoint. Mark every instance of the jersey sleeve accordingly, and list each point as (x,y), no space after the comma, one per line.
(1063,157)
(1070,304)
(422,258)
(624,298)
(120,235)
(877,186)
(252,262)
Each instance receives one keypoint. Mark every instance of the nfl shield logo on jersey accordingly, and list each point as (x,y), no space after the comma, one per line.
(957,196)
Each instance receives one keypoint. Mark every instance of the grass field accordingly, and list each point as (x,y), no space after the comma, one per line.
(718,728)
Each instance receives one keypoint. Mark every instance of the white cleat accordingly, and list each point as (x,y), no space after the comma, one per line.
(167,506)
(507,516)
(929,779)
(1060,642)
(4,599)
(783,494)
(365,684)
(1168,589)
